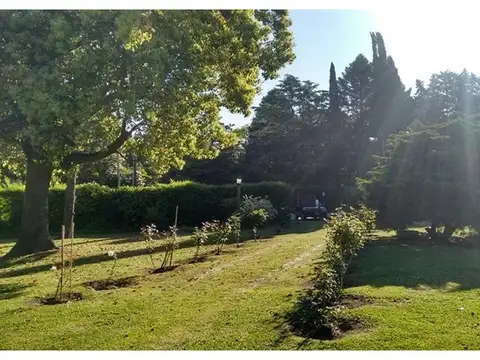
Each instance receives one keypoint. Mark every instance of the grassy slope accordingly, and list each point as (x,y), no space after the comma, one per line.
(227,302)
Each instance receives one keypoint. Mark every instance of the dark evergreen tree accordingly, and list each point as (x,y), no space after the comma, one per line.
(429,173)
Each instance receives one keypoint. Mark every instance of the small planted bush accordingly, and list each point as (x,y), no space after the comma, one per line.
(112,255)
(151,235)
(200,237)
(315,314)
(235,228)
(154,240)
(219,234)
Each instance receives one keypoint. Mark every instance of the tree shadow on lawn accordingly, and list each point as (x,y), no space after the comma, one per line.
(267,233)
(10,291)
(416,264)
(6,262)
(93,259)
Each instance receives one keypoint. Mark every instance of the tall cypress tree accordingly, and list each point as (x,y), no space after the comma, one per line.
(390,107)
(333,91)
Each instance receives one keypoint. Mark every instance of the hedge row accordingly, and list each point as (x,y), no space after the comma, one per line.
(100,208)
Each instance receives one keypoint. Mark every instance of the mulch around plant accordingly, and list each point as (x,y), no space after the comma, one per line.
(349,325)
(355,301)
(66,298)
(164,269)
(112,284)
(198,259)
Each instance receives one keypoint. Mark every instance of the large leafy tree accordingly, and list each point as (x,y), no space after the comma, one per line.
(223,169)
(429,173)
(75,86)
(355,90)
(446,96)
(284,137)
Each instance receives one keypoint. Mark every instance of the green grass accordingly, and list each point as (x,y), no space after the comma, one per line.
(226,302)
(419,292)
(232,301)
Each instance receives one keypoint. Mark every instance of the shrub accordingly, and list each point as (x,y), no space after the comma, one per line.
(235,228)
(100,208)
(316,314)
(347,231)
(151,235)
(200,237)
(256,211)
(220,233)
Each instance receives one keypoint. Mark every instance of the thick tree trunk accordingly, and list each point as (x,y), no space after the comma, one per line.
(34,233)
(69,209)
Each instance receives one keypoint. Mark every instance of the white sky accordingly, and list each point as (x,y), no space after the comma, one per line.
(427,39)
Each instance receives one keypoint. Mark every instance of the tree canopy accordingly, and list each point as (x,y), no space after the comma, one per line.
(78,85)
(429,173)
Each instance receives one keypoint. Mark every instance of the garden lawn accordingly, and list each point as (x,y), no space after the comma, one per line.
(424,297)
(227,302)
(419,297)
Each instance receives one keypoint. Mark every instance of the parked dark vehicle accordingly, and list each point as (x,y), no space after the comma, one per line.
(313,212)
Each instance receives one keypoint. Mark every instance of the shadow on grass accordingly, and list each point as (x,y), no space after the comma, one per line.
(6,262)
(415,263)
(268,233)
(10,291)
(282,325)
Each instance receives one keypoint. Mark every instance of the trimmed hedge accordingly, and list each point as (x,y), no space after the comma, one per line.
(101,209)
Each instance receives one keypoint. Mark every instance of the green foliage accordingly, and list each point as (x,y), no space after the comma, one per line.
(429,173)
(160,241)
(235,222)
(446,96)
(150,235)
(317,314)
(256,211)
(285,135)
(347,230)
(219,234)
(81,60)
(200,237)
(100,208)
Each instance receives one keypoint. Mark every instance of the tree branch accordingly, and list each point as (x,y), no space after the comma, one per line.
(84,157)
(79,157)
(10,125)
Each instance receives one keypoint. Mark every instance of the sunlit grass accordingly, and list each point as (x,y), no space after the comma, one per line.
(425,297)
(226,302)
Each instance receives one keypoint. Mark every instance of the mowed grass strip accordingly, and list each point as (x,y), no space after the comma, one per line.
(226,302)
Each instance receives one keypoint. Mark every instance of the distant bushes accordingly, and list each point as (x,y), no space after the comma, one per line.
(317,314)
(100,208)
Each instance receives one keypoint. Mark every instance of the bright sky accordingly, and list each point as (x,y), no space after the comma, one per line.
(420,40)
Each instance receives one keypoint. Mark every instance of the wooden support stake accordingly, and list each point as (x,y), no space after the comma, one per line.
(63,263)
(71,256)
